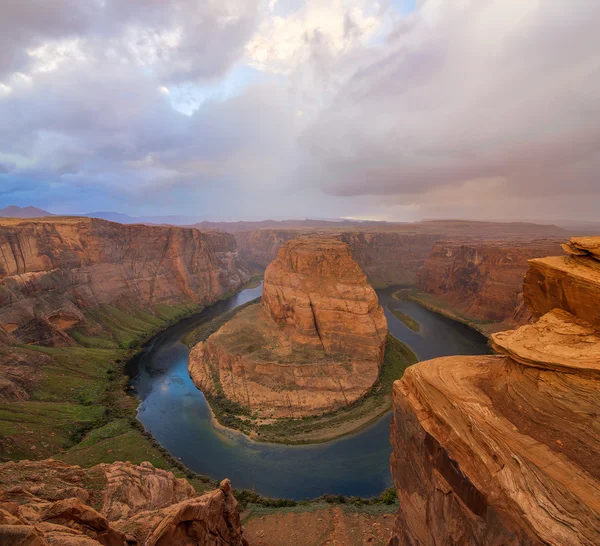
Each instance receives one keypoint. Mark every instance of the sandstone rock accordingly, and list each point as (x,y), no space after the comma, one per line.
(162,510)
(258,368)
(564,282)
(314,344)
(53,269)
(583,246)
(210,520)
(502,449)
(483,280)
(319,294)
(487,451)
(389,254)
(387,258)
(131,489)
(558,341)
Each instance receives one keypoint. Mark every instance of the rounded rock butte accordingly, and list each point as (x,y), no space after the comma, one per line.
(315,343)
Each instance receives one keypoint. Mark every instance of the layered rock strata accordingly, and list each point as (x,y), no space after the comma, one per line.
(315,343)
(387,258)
(51,503)
(482,280)
(53,270)
(502,449)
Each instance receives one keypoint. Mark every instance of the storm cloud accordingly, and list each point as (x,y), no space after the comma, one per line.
(240,109)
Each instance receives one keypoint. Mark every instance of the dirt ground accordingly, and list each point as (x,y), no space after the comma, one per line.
(331,526)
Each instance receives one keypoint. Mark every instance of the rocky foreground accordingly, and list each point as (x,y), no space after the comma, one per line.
(315,343)
(49,503)
(503,449)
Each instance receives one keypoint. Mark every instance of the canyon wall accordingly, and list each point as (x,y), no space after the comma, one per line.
(120,504)
(387,258)
(503,449)
(482,280)
(314,344)
(53,270)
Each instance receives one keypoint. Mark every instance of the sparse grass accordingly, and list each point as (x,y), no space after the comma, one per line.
(203,332)
(83,388)
(33,430)
(409,322)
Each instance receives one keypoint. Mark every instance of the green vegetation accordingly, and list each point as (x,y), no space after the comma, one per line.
(127,329)
(406,320)
(323,428)
(80,412)
(384,503)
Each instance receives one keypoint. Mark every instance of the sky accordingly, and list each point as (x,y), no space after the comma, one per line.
(250,109)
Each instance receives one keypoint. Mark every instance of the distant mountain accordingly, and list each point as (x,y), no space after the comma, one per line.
(234,227)
(126,219)
(23,212)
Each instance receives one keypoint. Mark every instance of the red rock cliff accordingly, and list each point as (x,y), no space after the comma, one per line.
(52,270)
(482,280)
(387,258)
(503,449)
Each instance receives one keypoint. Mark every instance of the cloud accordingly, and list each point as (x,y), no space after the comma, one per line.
(487,90)
(341,108)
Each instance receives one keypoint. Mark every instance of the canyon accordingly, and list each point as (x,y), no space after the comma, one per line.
(470,270)
(501,449)
(66,282)
(315,343)
(494,449)
(481,283)
(53,270)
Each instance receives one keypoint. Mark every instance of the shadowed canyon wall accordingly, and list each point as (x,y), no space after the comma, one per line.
(483,280)
(502,449)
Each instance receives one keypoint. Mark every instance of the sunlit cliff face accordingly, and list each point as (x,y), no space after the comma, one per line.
(390,109)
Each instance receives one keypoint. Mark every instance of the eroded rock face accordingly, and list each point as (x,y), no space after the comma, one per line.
(51,503)
(484,279)
(500,449)
(318,292)
(564,282)
(486,452)
(315,343)
(52,270)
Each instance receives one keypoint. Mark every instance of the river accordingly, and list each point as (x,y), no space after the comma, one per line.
(178,416)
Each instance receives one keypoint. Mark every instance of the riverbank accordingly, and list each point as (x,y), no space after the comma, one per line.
(439,306)
(81,410)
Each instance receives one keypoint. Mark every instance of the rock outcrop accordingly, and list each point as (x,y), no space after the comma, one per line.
(51,503)
(502,449)
(53,270)
(483,280)
(315,343)
(571,283)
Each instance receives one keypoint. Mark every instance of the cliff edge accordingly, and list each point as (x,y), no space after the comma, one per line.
(502,449)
